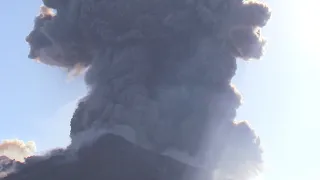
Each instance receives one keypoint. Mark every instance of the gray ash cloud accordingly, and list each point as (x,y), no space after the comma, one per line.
(162,68)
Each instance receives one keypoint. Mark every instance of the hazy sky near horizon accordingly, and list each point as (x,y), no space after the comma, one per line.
(281,91)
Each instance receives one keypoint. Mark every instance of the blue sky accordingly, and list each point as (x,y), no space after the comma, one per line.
(280,91)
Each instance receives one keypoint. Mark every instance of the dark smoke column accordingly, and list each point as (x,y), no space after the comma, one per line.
(159,73)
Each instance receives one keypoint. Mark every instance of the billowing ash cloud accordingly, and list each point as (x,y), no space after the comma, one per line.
(159,73)
(17,149)
(12,153)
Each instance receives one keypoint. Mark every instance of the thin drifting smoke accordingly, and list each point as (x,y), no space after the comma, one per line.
(159,72)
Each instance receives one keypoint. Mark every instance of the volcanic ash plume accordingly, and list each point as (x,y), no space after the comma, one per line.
(17,149)
(159,73)
(12,153)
